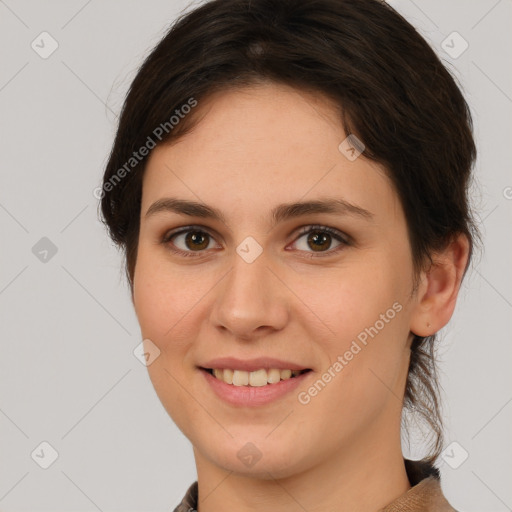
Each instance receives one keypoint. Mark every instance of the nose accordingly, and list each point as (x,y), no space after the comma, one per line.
(251,300)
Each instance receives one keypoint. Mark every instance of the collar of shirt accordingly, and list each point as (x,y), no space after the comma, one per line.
(425,494)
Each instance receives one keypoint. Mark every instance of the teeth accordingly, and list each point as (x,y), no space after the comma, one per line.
(255,379)
(286,374)
(273,376)
(258,378)
(240,378)
(228,376)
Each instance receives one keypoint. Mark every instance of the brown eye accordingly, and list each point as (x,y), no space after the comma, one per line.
(196,240)
(319,239)
(188,241)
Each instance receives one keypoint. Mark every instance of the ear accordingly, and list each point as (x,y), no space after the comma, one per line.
(439,287)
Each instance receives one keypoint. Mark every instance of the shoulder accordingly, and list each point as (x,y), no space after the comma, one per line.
(189,501)
(425,494)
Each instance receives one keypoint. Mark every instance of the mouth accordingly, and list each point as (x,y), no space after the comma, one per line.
(258,378)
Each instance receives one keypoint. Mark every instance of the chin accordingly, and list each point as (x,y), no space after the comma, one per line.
(260,458)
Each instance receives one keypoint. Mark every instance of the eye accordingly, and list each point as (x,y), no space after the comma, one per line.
(188,241)
(191,241)
(320,239)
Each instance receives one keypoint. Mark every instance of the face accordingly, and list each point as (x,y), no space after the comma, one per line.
(251,284)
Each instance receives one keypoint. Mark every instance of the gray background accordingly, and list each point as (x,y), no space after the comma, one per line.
(68,375)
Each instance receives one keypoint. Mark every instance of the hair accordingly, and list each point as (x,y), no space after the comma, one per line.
(394,94)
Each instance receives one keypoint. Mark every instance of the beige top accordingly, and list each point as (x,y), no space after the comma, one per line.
(425,494)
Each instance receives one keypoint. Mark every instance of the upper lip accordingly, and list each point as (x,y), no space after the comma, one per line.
(251,365)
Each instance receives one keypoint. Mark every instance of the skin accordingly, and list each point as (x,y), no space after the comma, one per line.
(253,149)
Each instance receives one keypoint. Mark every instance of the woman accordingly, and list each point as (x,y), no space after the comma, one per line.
(289,182)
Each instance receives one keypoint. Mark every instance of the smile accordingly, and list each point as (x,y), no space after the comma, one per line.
(258,378)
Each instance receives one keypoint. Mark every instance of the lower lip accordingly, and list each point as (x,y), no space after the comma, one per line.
(252,396)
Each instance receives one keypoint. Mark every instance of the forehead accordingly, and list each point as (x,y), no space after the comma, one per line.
(260,146)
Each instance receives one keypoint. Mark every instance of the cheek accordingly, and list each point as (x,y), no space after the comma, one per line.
(353,298)
(161,299)
(161,303)
(366,311)
(362,378)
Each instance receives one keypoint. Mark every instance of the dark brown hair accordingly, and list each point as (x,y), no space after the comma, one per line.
(394,94)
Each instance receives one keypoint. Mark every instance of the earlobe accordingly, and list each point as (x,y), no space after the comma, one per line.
(439,288)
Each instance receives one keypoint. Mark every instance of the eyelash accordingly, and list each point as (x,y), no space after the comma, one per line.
(345,241)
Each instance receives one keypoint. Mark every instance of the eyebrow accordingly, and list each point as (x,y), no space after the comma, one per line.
(280,213)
